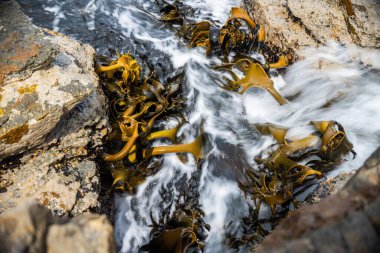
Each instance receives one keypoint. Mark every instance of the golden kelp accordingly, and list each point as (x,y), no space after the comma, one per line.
(255,76)
(171,14)
(241,35)
(136,104)
(287,171)
(181,231)
(282,172)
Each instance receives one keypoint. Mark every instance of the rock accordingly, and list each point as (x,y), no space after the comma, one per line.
(292,25)
(345,222)
(84,233)
(327,188)
(43,76)
(31,228)
(53,118)
(66,189)
(24,228)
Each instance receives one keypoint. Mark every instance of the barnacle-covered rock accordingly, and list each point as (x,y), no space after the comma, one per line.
(44,76)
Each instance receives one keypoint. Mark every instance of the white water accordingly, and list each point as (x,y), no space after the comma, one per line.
(348,76)
(325,74)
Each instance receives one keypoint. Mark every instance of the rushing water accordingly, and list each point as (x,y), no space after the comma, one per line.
(345,78)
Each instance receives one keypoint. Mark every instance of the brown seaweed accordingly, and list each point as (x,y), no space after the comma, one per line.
(282,173)
(241,35)
(255,77)
(136,104)
(194,148)
(171,14)
(180,231)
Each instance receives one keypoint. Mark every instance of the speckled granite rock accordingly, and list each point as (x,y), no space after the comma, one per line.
(348,221)
(53,117)
(31,228)
(292,25)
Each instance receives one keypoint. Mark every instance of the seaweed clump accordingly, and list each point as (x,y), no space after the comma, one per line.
(296,164)
(291,166)
(182,230)
(240,35)
(136,104)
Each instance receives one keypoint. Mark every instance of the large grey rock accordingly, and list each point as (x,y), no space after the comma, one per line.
(292,25)
(31,228)
(53,117)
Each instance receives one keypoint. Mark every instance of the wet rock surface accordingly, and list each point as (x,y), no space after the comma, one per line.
(327,188)
(292,25)
(52,118)
(345,222)
(32,228)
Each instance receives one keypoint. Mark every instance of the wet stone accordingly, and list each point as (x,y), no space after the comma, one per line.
(300,246)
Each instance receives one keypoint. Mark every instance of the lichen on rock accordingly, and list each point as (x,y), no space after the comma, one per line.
(52,118)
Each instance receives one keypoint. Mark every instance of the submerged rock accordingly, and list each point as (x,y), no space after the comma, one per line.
(345,222)
(32,228)
(53,117)
(292,25)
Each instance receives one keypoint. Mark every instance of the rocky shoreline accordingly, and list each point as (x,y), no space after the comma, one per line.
(53,122)
(53,118)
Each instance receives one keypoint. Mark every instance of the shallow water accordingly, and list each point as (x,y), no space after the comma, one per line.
(347,78)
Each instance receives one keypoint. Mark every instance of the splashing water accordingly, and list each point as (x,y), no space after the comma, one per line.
(332,82)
